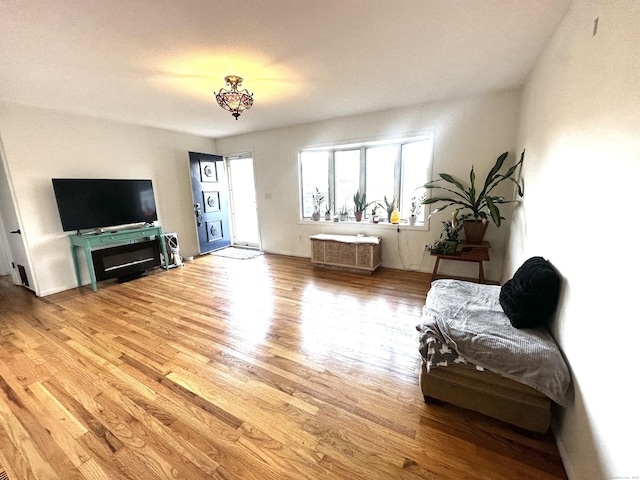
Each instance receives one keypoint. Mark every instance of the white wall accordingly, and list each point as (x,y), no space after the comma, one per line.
(42,144)
(581,128)
(467,131)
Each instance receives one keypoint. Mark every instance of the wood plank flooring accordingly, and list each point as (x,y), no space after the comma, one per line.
(238,369)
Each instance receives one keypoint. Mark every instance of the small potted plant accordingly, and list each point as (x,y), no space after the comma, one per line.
(450,235)
(316,198)
(327,211)
(416,207)
(360,204)
(482,203)
(344,213)
(389,206)
(374,213)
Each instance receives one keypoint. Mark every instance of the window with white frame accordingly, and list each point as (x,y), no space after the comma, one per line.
(391,169)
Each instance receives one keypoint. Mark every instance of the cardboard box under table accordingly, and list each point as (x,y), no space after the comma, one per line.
(347,252)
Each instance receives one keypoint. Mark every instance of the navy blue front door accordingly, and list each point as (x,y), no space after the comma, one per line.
(210,200)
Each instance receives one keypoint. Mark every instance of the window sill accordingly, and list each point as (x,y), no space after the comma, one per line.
(365,223)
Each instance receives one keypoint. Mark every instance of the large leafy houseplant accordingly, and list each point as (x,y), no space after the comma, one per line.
(483,203)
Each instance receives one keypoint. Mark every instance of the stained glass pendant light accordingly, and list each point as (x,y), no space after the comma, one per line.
(234,100)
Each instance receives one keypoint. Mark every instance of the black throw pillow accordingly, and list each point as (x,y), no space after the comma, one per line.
(530,298)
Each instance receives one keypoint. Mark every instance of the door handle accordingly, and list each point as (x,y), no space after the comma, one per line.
(198,213)
(16,231)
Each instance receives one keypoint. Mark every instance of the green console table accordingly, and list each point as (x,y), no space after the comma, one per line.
(90,241)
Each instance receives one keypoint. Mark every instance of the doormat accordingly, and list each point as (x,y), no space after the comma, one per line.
(239,253)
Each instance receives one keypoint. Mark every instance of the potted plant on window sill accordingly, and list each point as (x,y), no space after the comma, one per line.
(415,210)
(327,211)
(344,213)
(389,207)
(374,213)
(360,204)
(483,204)
(316,198)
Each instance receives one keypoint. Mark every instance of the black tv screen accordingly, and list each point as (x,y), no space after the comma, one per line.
(97,203)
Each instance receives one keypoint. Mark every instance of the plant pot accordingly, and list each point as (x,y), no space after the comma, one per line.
(315,216)
(412,219)
(343,217)
(327,217)
(358,216)
(474,231)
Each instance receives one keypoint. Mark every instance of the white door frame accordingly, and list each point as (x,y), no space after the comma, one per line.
(5,261)
(16,245)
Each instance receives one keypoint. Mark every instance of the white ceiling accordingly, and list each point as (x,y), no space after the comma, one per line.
(158,62)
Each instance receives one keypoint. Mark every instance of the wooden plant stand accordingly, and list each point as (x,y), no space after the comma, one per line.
(466,252)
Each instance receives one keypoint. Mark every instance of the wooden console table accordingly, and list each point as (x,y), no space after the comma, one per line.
(466,252)
(90,241)
(346,252)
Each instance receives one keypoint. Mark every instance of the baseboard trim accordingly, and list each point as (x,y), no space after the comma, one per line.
(562,450)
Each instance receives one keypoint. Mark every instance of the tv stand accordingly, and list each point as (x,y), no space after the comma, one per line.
(129,277)
(90,242)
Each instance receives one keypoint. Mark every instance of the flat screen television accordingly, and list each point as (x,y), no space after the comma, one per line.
(93,203)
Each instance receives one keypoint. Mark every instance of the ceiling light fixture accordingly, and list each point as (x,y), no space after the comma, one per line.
(233,100)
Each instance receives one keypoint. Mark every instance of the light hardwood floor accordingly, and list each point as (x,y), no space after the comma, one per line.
(238,369)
